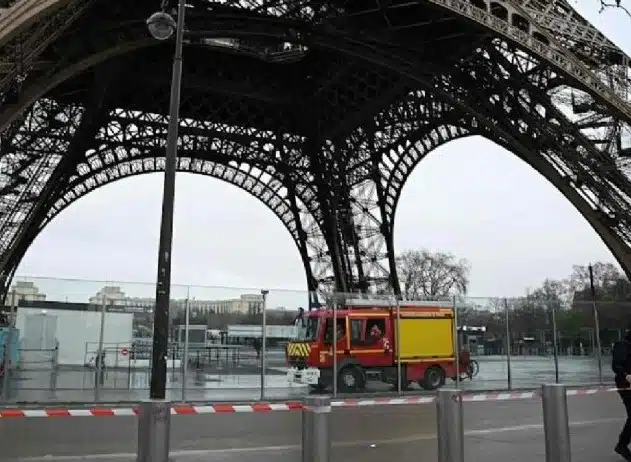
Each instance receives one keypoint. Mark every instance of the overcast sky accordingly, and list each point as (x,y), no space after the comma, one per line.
(469,197)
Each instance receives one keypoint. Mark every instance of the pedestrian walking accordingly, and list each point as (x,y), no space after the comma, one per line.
(299,320)
(257,343)
(621,365)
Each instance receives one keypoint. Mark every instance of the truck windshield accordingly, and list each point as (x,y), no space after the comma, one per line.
(309,332)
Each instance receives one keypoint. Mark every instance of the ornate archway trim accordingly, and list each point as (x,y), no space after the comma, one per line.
(413,155)
(615,245)
(267,195)
(551,174)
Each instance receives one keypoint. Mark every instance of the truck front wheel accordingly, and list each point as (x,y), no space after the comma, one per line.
(434,378)
(350,380)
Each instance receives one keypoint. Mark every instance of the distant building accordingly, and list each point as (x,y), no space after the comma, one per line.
(114,296)
(245,304)
(25,290)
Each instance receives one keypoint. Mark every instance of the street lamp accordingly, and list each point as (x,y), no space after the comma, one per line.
(154,424)
(161,26)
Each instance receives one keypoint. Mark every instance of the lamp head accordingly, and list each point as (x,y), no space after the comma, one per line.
(161,25)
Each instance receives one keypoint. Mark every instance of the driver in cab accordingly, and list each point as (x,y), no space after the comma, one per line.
(377,338)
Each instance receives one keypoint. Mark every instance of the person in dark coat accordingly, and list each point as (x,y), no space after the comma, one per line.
(257,344)
(299,320)
(621,365)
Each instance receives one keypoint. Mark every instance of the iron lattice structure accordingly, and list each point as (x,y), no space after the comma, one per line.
(319,108)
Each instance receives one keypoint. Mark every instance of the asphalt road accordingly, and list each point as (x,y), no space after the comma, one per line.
(506,431)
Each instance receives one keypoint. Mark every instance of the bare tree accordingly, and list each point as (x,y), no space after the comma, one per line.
(605,275)
(430,275)
(604,4)
(489,313)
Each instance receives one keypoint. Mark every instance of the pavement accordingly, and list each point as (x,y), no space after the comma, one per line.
(509,431)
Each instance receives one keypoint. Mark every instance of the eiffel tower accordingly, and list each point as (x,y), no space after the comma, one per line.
(321,109)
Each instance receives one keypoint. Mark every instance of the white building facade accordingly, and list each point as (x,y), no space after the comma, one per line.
(245,304)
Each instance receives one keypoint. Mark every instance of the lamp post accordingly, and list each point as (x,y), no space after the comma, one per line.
(154,424)
(161,25)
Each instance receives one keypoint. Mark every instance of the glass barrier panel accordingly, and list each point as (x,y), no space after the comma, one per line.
(585,326)
(291,333)
(481,344)
(55,321)
(225,365)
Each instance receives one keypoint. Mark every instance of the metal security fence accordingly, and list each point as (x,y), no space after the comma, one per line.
(243,346)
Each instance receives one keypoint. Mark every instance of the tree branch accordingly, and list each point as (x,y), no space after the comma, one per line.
(604,4)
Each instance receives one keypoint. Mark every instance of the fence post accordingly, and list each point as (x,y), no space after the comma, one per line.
(173,357)
(509,374)
(334,327)
(54,367)
(599,351)
(450,426)
(132,350)
(397,333)
(264,293)
(456,334)
(99,358)
(556,423)
(185,359)
(154,431)
(316,437)
(555,342)
(8,349)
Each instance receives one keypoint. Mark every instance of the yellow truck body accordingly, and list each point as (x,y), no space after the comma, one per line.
(423,338)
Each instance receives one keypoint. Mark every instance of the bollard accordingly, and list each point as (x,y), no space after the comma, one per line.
(556,425)
(154,431)
(316,438)
(450,426)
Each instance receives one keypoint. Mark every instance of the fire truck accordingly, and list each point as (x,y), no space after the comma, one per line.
(370,340)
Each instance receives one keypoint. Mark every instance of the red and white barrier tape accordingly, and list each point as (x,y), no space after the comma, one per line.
(287,406)
(175,410)
(466,397)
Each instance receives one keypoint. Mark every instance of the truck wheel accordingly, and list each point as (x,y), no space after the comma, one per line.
(350,379)
(434,378)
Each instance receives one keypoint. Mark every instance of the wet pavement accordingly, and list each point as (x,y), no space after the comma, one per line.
(506,431)
(244,383)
